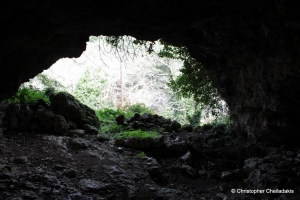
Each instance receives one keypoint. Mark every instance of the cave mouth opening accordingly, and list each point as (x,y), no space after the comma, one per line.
(125,73)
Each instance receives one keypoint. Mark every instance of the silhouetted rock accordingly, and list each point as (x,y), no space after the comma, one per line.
(90,129)
(69,107)
(44,114)
(19,117)
(60,125)
(187,127)
(102,138)
(120,119)
(175,125)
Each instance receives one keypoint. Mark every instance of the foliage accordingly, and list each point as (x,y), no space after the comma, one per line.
(28,94)
(194,82)
(195,118)
(222,120)
(183,110)
(89,89)
(50,84)
(141,155)
(137,108)
(137,133)
(109,115)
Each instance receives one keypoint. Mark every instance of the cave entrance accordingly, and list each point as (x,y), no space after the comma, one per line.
(122,73)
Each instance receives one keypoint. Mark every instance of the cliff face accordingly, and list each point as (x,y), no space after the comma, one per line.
(251,48)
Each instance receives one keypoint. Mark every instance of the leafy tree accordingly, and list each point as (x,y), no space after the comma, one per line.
(89,89)
(194,81)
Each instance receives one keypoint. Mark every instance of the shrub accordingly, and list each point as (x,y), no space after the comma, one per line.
(28,94)
(137,108)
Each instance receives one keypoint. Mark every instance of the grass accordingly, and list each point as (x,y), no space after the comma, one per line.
(137,133)
(108,126)
(141,155)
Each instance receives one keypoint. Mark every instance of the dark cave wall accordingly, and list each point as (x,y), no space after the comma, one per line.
(251,48)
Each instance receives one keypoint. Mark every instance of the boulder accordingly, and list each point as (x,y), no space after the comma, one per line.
(187,158)
(78,132)
(90,129)
(189,170)
(187,127)
(135,117)
(158,141)
(72,125)
(138,143)
(102,138)
(60,125)
(19,117)
(167,127)
(146,118)
(177,147)
(77,144)
(120,119)
(44,114)
(69,107)
(175,125)
(46,125)
(137,124)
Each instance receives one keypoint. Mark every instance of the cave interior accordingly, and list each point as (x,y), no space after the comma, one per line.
(250,48)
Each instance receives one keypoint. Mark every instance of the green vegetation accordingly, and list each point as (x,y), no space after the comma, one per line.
(222,120)
(141,155)
(137,108)
(137,133)
(28,94)
(89,89)
(194,80)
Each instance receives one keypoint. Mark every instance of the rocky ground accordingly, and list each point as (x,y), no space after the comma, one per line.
(46,166)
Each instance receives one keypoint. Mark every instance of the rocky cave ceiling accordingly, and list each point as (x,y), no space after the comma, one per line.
(251,48)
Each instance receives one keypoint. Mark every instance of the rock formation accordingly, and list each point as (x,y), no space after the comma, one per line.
(251,48)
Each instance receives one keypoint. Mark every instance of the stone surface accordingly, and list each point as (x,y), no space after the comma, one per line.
(120,119)
(66,105)
(19,116)
(187,158)
(44,114)
(138,143)
(92,185)
(175,125)
(90,129)
(102,138)
(190,171)
(78,132)
(60,125)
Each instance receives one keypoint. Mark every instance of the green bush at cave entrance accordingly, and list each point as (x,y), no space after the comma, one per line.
(28,94)
(137,108)
(107,117)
